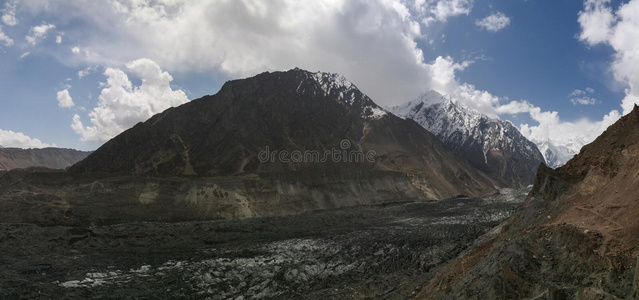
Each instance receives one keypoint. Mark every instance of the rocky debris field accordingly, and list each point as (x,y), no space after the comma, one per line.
(360,252)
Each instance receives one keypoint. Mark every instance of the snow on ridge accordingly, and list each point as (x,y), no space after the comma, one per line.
(377,113)
(557,155)
(332,81)
(462,127)
(348,93)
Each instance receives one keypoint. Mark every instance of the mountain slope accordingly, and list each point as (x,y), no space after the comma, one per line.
(225,135)
(576,236)
(54,158)
(491,145)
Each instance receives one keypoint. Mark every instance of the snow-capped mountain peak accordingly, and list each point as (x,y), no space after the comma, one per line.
(344,91)
(492,144)
(413,107)
(557,155)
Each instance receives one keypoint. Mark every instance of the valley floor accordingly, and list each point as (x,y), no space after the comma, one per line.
(352,253)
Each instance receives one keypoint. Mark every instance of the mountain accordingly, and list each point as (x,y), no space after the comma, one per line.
(54,158)
(575,237)
(494,146)
(253,149)
(557,155)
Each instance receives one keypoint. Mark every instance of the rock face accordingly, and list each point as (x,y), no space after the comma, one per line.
(576,236)
(491,145)
(54,158)
(259,147)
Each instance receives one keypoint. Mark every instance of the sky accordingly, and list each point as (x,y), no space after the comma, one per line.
(74,74)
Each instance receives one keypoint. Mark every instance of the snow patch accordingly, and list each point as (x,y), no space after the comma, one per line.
(377,113)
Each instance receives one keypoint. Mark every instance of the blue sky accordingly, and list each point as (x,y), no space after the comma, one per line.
(558,76)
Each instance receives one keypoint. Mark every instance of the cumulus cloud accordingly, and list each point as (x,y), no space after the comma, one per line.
(64,99)
(371,42)
(619,30)
(596,20)
(121,104)
(442,74)
(10,138)
(572,135)
(494,22)
(58,39)
(4,39)
(374,43)
(38,33)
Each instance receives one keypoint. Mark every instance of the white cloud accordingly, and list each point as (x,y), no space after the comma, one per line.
(64,99)
(9,13)
(86,71)
(583,101)
(25,54)
(4,39)
(371,42)
(483,101)
(514,108)
(442,74)
(596,20)
(9,20)
(58,39)
(38,33)
(600,26)
(10,138)
(572,135)
(582,97)
(121,105)
(494,22)
(444,9)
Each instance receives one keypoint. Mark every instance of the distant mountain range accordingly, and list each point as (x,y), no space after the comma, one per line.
(557,155)
(491,145)
(54,158)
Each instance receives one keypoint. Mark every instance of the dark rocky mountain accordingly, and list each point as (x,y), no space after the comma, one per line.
(491,145)
(206,153)
(576,236)
(54,158)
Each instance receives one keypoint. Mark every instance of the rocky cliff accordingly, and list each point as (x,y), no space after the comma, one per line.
(576,236)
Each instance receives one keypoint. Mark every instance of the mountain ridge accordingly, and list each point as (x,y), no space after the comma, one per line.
(54,158)
(201,160)
(494,146)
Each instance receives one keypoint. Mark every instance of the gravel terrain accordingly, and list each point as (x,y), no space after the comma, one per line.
(382,251)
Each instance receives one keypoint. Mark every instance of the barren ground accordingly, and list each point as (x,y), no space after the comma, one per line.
(361,252)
